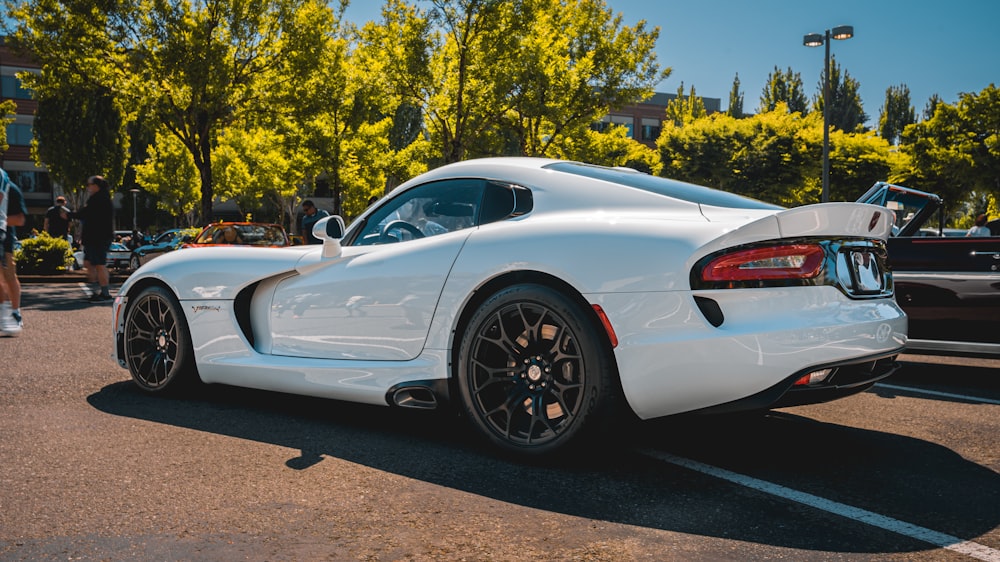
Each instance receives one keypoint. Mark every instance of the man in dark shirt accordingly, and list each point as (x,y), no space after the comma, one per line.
(97,216)
(55,224)
(311,216)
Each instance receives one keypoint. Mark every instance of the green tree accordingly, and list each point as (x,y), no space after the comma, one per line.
(932,103)
(192,66)
(7,109)
(735,99)
(250,164)
(857,161)
(846,110)
(80,122)
(571,64)
(610,148)
(956,153)
(80,133)
(683,109)
(768,156)
(783,87)
(321,91)
(896,113)
(511,77)
(773,156)
(170,176)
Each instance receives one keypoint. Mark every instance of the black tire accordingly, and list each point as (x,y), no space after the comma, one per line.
(133,262)
(535,375)
(158,343)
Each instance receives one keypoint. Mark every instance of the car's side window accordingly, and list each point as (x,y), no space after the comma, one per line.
(427,210)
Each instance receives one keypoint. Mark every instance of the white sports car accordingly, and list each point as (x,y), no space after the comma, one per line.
(541,298)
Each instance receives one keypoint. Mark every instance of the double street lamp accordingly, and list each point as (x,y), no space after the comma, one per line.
(815,40)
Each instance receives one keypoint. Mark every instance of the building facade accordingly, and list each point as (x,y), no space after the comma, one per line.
(645,120)
(33,180)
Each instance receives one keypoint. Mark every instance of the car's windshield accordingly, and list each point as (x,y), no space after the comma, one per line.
(671,188)
(912,209)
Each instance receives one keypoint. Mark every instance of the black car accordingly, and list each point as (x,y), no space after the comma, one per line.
(949,286)
(167,241)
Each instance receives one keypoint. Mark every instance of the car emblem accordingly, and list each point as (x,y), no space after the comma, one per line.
(874,222)
(867,274)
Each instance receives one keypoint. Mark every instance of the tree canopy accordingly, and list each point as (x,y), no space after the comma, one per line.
(783,87)
(896,113)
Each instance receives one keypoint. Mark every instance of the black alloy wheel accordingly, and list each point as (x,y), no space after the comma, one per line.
(157,342)
(534,372)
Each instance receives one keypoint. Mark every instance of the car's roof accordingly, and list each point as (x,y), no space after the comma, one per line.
(579,185)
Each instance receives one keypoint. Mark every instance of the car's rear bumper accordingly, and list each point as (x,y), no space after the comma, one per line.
(844,380)
(672,360)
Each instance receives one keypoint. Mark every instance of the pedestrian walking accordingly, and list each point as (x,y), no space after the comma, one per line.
(97,217)
(12,214)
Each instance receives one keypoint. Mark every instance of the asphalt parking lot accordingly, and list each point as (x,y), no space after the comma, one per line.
(95,470)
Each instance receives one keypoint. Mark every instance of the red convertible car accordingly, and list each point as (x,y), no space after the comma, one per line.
(949,286)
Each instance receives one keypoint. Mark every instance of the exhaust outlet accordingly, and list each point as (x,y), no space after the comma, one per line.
(416,397)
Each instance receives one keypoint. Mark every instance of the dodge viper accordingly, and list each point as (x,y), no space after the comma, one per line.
(542,300)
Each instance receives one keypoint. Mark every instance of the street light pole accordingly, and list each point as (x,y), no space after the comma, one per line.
(135,219)
(815,40)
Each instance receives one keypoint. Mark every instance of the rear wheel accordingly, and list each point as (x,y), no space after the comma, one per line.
(157,342)
(133,262)
(534,373)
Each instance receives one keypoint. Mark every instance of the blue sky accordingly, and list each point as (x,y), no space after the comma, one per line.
(942,48)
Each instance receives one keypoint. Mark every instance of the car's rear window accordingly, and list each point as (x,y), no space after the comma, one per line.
(671,188)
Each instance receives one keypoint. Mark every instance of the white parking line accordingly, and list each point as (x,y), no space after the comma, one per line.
(941,394)
(975,550)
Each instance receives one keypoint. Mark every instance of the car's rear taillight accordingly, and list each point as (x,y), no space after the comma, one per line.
(791,261)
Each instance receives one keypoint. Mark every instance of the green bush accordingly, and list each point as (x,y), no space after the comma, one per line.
(43,254)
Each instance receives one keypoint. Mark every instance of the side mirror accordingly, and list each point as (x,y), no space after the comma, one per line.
(330,230)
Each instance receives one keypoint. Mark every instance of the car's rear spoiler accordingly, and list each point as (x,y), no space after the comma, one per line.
(826,220)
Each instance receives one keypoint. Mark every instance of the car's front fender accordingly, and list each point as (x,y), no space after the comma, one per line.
(217,272)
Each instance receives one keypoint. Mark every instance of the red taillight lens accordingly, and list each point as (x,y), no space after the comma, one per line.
(793,261)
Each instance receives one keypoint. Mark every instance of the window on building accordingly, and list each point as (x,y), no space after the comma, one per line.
(19,134)
(30,181)
(12,89)
(650,129)
(621,120)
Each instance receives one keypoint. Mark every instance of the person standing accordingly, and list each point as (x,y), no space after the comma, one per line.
(55,224)
(12,214)
(309,220)
(97,216)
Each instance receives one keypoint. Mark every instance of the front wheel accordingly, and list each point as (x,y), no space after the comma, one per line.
(157,343)
(534,373)
(133,262)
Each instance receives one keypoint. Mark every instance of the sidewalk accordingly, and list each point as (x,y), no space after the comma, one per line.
(66,277)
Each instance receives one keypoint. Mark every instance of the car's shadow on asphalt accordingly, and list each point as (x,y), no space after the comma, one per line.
(897,476)
(61,297)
